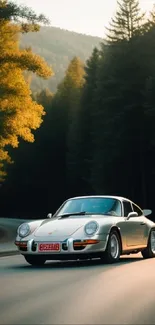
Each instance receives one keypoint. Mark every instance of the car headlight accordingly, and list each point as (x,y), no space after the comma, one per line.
(24,230)
(91,228)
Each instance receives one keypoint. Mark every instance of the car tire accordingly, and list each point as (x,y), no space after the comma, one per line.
(113,250)
(35,260)
(149,251)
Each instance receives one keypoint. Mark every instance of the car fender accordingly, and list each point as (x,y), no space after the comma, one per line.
(34,225)
(107,230)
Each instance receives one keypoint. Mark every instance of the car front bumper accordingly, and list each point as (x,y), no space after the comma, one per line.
(68,250)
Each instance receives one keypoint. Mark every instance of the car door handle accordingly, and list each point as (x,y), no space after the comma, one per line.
(142,224)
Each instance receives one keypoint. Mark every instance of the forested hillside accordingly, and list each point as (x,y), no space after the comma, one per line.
(98,134)
(58,47)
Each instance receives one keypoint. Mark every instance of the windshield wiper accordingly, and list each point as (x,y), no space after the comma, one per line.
(66,215)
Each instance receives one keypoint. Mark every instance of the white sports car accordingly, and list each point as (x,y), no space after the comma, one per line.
(88,227)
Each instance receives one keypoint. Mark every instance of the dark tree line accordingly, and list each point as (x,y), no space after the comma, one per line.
(98,135)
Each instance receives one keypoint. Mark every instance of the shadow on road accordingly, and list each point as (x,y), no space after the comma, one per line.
(58,265)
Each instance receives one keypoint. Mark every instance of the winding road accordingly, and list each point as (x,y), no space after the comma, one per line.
(77,292)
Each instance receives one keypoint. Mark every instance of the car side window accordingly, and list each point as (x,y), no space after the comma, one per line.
(127,208)
(136,209)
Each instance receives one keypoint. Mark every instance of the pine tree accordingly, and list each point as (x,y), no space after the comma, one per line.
(86,120)
(127,23)
(44,97)
(119,119)
(70,96)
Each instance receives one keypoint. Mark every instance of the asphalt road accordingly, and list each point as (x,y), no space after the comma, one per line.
(77,292)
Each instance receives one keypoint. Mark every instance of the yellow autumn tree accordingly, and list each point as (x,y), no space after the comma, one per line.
(19,113)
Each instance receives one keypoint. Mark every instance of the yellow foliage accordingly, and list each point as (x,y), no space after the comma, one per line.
(19,114)
(74,78)
(75,72)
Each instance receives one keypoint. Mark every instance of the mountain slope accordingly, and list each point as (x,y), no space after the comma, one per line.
(58,47)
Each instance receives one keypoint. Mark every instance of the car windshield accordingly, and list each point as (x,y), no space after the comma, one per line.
(106,206)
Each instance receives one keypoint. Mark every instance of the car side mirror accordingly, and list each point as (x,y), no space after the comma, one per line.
(49,216)
(132,215)
(147,212)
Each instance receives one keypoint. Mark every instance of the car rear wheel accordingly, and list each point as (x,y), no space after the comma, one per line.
(35,260)
(113,250)
(149,251)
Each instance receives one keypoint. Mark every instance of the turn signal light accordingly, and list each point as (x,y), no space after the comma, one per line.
(86,242)
(21,244)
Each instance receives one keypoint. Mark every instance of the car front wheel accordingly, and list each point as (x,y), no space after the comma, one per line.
(113,250)
(35,260)
(149,251)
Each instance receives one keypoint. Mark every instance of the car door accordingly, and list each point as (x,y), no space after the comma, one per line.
(134,228)
(142,220)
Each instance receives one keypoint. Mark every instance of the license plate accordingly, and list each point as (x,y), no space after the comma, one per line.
(49,247)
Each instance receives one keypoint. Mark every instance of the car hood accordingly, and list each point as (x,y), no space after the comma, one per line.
(68,226)
(61,227)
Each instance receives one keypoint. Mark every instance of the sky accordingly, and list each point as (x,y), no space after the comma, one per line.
(82,16)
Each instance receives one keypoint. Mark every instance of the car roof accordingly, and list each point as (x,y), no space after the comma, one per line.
(101,196)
